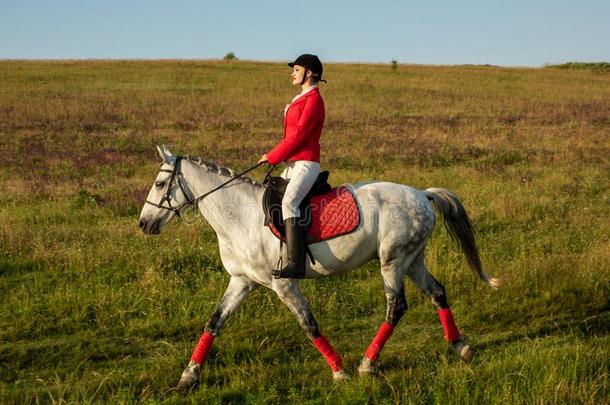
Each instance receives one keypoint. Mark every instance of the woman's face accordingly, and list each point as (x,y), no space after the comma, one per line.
(297,74)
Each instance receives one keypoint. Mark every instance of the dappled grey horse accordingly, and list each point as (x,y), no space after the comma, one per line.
(396,221)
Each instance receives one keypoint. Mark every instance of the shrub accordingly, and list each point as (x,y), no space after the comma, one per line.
(593,66)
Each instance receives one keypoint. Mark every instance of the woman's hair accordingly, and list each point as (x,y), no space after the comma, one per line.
(314,79)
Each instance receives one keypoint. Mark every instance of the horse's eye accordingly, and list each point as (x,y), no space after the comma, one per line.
(159,184)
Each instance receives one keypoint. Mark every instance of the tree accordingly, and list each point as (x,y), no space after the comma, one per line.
(230,56)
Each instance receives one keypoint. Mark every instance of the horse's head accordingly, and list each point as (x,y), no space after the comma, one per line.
(166,197)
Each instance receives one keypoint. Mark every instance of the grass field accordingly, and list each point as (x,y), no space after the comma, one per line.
(92,310)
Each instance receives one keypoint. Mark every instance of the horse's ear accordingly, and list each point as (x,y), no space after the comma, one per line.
(165,154)
(161,154)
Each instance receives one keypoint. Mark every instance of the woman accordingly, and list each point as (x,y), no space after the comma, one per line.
(300,148)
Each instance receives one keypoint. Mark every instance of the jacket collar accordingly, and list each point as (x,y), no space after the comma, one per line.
(304,94)
(301,97)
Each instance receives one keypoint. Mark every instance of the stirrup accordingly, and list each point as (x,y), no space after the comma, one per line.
(291,270)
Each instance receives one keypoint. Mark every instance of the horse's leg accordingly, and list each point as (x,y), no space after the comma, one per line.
(289,292)
(393,265)
(435,290)
(236,292)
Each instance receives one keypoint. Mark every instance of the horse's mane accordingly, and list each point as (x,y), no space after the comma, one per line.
(221,170)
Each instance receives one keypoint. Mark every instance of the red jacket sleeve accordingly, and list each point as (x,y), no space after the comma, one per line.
(297,132)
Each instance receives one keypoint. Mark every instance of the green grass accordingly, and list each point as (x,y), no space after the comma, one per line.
(94,311)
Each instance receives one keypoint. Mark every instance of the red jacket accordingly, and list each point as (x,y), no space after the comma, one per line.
(302,129)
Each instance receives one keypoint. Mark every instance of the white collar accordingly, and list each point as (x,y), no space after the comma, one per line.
(305,91)
(298,96)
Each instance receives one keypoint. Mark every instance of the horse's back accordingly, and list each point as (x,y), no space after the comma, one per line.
(388,211)
(398,208)
(384,194)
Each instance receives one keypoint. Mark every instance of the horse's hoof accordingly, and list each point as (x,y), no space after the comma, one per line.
(464,350)
(366,367)
(340,375)
(190,377)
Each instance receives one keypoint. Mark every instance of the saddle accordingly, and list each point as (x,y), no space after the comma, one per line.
(272,201)
(325,212)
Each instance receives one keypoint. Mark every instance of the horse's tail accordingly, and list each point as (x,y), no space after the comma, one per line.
(459,227)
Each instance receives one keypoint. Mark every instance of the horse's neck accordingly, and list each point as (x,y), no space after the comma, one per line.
(235,206)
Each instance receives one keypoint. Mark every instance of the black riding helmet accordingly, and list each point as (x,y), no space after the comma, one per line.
(311,63)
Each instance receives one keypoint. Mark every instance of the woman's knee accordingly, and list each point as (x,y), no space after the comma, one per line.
(289,209)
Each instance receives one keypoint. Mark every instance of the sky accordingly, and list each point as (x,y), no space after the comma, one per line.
(497,32)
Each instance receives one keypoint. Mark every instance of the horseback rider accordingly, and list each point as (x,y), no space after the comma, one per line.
(300,149)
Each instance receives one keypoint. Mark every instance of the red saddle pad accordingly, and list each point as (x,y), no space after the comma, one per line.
(333,214)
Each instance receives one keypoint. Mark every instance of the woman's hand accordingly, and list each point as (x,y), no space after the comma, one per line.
(263,159)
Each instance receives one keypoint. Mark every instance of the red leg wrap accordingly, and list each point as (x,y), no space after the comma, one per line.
(330,355)
(451,331)
(203,348)
(384,333)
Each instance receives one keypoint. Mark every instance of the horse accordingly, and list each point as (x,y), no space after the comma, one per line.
(396,222)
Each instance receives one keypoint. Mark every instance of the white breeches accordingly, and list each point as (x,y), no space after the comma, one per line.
(302,175)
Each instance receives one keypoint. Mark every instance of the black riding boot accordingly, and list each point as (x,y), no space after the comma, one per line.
(295,239)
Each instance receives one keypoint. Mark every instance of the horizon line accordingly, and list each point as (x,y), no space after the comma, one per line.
(273,61)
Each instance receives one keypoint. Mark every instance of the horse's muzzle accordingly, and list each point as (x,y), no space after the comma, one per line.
(149,227)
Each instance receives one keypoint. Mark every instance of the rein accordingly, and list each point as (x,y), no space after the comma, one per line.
(176,175)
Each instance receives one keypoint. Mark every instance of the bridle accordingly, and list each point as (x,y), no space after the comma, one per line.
(175,177)
(176,171)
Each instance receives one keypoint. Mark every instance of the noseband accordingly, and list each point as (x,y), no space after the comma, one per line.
(175,177)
